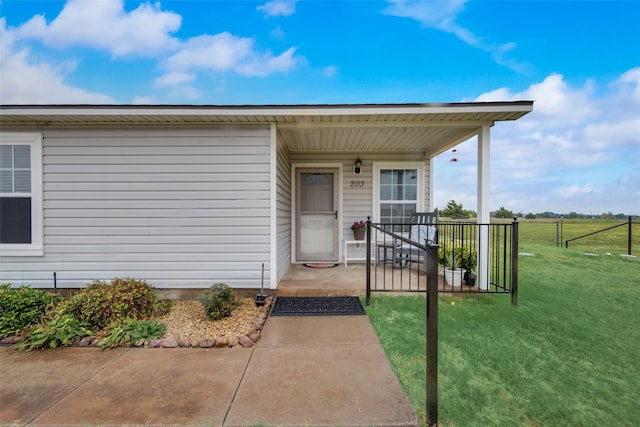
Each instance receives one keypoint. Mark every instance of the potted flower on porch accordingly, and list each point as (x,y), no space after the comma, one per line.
(359,229)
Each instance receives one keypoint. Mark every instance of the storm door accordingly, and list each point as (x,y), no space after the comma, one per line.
(317,214)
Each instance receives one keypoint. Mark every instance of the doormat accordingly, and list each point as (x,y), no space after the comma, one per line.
(317,306)
(320,265)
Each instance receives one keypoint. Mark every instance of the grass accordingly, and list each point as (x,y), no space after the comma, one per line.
(567,356)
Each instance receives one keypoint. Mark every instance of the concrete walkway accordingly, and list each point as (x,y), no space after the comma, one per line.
(313,371)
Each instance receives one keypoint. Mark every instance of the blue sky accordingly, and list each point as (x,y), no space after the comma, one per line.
(578,60)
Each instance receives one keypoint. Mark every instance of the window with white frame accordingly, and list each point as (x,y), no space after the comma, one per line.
(21,227)
(399,191)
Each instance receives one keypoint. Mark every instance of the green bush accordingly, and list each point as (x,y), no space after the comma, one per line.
(102,304)
(219,301)
(131,331)
(22,307)
(58,332)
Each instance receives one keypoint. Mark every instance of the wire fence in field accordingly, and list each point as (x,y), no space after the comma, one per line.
(593,235)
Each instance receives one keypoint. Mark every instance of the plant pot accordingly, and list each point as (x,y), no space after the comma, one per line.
(359,234)
(454,277)
(469,278)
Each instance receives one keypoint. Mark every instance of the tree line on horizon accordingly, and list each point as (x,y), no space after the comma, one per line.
(457,211)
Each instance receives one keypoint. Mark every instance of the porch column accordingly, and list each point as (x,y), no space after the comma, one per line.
(484,216)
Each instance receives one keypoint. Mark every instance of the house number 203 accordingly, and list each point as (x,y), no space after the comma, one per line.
(357,184)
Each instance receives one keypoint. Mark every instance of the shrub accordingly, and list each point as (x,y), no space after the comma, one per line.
(22,307)
(103,304)
(219,301)
(132,331)
(162,307)
(58,332)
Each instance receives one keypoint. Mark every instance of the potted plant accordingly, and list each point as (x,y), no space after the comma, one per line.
(452,272)
(469,262)
(359,229)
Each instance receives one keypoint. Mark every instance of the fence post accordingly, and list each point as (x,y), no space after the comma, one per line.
(514,262)
(368,265)
(432,334)
(629,236)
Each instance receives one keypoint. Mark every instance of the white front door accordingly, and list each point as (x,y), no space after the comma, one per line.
(317,214)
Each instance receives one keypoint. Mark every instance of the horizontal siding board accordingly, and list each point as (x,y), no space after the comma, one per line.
(185,177)
(221,168)
(157,159)
(221,243)
(87,221)
(230,219)
(214,151)
(149,250)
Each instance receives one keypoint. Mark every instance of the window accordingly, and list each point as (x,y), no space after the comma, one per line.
(399,191)
(21,232)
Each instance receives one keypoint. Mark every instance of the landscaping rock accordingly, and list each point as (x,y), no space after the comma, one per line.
(85,342)
(184,342)
(233,342)
(254,336)
(245,341)
(170,342)
(207,343)
(10,340)
(157,343)
(222,342)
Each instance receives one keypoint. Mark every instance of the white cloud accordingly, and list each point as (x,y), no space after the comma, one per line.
(329,71)
(278,8)
(26,81)
(104,24)
(225,52)
(174,78)
(575,152)
(441,15)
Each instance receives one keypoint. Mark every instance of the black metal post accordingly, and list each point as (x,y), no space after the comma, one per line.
(514,263)
(432,335)
(368,265)
(629,236)
(55,283)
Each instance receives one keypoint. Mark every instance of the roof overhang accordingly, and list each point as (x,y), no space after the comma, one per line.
(426,128)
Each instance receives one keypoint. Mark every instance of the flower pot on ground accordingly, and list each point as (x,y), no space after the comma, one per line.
(453,274)
(469,262)
(470,277)
(454,277)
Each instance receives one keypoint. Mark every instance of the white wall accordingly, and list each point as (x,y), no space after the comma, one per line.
(283,207)
(177,208)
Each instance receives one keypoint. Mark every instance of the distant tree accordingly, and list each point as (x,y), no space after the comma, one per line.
(503,213)
(530,216)
(454,210)
(572,215)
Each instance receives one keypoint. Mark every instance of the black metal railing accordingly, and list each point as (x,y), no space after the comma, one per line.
(486,257)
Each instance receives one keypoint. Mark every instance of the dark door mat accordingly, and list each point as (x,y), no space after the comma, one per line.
(317,306)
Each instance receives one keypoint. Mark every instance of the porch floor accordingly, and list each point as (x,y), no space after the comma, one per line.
(351,280)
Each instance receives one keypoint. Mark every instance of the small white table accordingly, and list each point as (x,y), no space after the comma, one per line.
(355,243)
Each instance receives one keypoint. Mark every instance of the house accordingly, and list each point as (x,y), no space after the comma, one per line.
(184,196)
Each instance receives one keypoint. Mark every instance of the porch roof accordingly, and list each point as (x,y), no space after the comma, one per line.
(428,128)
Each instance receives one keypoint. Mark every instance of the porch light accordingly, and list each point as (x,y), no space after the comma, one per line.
(357,166)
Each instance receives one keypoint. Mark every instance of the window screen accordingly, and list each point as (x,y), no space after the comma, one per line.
(15,192)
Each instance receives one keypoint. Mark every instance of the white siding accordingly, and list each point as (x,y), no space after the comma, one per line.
(178,208)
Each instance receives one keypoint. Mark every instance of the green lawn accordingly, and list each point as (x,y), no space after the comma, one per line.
(567,356)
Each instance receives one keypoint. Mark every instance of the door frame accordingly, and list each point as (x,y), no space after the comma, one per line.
(294,201)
